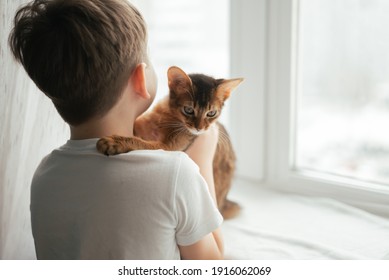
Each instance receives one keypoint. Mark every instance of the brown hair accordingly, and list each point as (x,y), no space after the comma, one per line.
(80,53)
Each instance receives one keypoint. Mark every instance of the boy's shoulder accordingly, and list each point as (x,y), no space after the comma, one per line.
(176,157)
(173,162)
(81,165)
(84,154)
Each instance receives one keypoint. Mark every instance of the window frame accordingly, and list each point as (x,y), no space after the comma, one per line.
(279,82)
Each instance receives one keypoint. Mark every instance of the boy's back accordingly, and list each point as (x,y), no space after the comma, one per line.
(87,206)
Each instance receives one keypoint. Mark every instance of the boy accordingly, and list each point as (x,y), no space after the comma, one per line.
(89,57)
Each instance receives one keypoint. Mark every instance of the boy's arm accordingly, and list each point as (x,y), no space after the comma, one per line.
(205,249)
(202,152)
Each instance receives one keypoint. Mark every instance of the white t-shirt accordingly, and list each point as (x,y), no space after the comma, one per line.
(139,205)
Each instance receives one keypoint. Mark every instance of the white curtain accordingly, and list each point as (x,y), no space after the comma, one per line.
(30,129)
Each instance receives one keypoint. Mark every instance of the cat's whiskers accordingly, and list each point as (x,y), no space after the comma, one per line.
(176,132)
(223,138)
(170,125)
(177,128)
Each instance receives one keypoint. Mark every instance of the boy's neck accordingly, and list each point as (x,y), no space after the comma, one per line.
(98,128)
(119,120)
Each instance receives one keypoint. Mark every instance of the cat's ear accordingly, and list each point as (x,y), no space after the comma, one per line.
(227,86)
(179,81)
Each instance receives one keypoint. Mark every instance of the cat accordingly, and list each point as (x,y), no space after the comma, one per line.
(195,102)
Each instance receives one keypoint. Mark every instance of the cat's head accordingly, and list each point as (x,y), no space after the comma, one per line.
(196,99)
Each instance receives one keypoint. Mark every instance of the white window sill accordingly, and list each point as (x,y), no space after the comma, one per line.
(275,225)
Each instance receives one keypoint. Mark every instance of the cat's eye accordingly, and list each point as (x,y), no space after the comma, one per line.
(189,111)
(211,114)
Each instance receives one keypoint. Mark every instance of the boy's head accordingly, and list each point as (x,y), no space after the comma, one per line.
(80,53)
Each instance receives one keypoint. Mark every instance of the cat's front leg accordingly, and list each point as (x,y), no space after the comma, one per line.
(113,145)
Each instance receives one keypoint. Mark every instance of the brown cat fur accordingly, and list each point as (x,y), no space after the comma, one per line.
(194,103)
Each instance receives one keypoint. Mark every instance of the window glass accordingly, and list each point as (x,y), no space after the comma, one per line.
(343,88)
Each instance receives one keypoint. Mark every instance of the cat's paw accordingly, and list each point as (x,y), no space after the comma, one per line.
(111,145)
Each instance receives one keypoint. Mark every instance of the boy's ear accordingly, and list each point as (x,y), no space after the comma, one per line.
(138,81)
(179,82)
(224,90)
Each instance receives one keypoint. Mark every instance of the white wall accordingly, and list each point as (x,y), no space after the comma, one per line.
(248,60)
(30,128)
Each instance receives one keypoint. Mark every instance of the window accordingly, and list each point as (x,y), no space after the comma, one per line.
(343,88)
(321,76)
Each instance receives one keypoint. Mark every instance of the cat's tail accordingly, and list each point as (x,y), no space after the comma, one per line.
(230,209)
